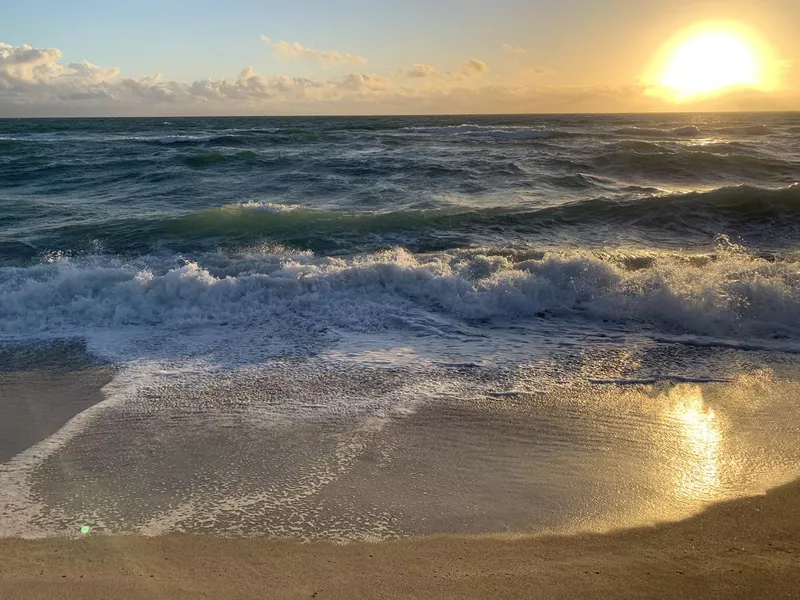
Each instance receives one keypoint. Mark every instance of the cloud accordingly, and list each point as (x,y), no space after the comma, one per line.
(90,73)
(26,63)
(474,68)
(365,82)
(420,71)
(535,71)
(296,50)
(471,68)
(512,49)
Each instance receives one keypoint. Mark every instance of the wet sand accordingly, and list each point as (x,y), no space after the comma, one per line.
(41,388)
(747,548)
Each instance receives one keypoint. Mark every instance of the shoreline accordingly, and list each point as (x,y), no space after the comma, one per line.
(744,548)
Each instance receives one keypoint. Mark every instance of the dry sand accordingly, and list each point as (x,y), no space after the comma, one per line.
(746,548)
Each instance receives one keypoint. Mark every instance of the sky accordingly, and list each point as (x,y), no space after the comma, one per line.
(243,57)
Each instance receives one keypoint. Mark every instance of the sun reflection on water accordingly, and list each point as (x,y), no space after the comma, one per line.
(700,439)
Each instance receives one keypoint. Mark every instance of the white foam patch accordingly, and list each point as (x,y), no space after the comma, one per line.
(271,208)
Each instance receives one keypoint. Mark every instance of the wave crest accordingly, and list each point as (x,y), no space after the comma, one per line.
(687,131)
(488,132)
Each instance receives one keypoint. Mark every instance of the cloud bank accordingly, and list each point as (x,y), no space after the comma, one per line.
(35,82)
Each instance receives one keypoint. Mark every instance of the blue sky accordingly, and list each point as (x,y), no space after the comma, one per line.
(571,43)
(203,38)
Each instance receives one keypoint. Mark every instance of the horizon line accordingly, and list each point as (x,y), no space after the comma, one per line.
(402,115)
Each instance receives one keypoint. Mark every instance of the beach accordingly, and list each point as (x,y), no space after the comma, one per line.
(747,548)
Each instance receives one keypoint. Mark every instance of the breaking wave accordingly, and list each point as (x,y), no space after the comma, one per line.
(728,292)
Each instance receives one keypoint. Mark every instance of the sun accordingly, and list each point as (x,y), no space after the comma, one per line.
(708,59)
(711,61)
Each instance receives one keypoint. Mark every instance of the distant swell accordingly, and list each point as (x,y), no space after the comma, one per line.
(748,130)
(640,157)
(261,137)
(688,131)
(209,159)
(482,131)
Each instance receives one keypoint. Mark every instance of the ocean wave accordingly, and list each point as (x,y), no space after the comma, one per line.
(489,132)
(729,293)
(641,146)
(686,131)
(226,137)
(270,208)
(740,204)
(208,159)
(169,140)
(742,210)
(747,130)
(635,157)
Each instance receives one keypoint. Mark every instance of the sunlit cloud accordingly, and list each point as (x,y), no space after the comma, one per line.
(420,71)
(471,68)
(296,50)
(92,73)
(26,63)
(474,68)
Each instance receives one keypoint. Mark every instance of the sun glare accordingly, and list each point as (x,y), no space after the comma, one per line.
(711,59)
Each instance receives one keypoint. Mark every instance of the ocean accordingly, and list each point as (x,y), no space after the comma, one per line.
(361,328)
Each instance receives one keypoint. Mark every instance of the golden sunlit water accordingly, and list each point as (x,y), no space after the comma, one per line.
(700,439)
